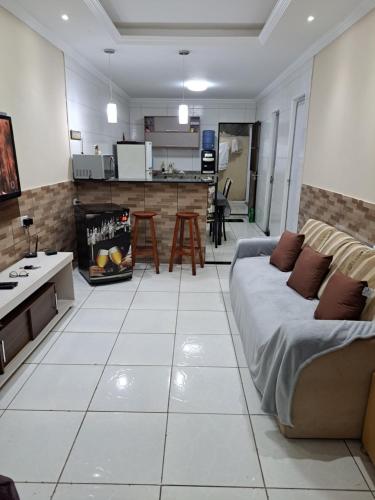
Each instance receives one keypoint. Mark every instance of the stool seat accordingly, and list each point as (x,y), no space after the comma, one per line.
(179,250)
(187,215)
(145,215)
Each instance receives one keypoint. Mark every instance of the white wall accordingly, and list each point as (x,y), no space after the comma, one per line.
(32,92)
(87,98)
(279,99)
(340,150)
(210,111)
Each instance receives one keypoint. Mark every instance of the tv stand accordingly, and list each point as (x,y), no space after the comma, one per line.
(49,288)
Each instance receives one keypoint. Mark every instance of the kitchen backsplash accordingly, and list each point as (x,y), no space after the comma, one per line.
(211,112)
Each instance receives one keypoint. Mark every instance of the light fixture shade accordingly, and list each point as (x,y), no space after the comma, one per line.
(197,85)
(183,114)
(112,112)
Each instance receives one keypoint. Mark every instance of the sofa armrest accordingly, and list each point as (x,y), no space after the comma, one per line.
(254,247)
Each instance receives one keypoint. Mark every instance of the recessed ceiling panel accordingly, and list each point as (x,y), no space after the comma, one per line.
(187,12)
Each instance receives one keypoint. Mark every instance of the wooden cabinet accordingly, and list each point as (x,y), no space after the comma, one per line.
(14,335)
(26,322)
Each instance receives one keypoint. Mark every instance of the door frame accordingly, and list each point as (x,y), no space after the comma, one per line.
(271,173)
(291,143)
(250,124)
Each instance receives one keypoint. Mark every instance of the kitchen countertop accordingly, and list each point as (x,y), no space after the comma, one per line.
(163,178)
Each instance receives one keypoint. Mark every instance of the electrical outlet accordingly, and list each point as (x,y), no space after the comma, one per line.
(22,218)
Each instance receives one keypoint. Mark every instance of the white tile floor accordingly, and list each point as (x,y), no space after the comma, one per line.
(234,231)
(143,393)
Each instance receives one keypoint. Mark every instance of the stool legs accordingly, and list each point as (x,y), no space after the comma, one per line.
(174,244)
(192,248)
(154,246)
(199,242)
(135,242)
(194,236)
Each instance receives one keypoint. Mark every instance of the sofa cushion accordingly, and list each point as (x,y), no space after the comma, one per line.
(342,299)
(287,251)
(316,233)
(308,273)
(345,251)
(261,300)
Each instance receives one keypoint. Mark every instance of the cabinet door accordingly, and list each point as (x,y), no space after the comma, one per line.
(42,309)
(14,335)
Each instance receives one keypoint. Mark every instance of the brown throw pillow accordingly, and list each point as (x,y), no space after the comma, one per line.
(309,272)
(287,250)
(342,298)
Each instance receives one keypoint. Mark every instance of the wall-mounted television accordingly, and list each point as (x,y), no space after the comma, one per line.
(10,186)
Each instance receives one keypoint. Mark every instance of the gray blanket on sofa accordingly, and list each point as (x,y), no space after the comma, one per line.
(277,364)
(279,334)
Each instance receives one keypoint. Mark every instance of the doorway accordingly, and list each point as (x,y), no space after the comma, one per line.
(234,163)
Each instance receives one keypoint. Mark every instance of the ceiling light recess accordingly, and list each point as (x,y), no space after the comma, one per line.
(65,17)
(197,85)
(310,19)
(183,109)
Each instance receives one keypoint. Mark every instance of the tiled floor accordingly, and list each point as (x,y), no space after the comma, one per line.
(234,231)
(142,393)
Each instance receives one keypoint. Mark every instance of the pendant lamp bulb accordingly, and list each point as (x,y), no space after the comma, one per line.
(111,106)
(183,109)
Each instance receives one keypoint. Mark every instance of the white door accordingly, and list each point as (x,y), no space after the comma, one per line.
(270,192)
(294,180)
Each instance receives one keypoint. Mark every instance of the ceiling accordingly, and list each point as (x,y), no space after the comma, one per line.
(239,48)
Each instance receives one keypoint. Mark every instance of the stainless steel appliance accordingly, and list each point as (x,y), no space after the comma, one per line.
(103,242)
(208,161)
(134,160)
(93,166)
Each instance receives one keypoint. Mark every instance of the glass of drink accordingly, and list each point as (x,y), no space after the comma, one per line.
(115,255)
(102,258)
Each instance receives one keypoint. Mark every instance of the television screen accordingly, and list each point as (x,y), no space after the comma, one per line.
(9,179)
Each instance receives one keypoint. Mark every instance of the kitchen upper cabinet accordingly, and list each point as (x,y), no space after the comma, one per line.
(166,132)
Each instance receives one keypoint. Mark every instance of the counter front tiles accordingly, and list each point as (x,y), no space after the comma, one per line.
(166,197)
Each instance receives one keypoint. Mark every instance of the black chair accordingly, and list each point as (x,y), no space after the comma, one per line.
(227,186)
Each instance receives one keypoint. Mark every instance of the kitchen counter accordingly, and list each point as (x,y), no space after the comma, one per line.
(164,195)
(165,178)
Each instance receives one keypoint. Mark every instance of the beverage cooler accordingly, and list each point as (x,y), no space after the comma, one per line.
(104,243)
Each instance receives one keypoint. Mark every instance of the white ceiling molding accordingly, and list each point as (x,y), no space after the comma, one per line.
(99,12)
(362,10)
(14,8)
(187,30)
(273,20)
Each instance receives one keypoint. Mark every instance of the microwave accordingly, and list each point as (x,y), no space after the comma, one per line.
(93,166)
(134,160)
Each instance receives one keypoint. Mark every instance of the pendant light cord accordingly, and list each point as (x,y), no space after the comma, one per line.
(183,79)
(110,78)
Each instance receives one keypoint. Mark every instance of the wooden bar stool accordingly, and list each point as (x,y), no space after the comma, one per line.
(145,251)
(180,250)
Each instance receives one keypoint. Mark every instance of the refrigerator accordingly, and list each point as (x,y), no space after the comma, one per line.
(103,243)
(134,160)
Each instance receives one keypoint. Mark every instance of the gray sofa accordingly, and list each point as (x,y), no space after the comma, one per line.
(318,386)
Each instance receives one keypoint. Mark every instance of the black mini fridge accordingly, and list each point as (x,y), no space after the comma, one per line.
(103,243)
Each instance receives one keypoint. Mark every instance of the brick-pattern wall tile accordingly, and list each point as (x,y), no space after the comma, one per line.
(52,210)
(351,215)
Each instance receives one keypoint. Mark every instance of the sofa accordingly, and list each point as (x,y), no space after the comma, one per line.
(330,392)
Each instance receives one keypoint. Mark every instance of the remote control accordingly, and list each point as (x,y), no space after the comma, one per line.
(8,285)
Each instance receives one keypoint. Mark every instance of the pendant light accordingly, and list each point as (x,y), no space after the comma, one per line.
(111,106)
(183,109)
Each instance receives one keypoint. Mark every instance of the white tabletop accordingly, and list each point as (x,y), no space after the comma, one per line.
(49,266)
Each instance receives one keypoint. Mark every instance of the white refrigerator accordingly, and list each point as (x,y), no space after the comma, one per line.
(134,161)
